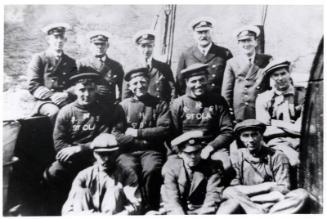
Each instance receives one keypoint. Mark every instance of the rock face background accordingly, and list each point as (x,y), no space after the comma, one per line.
(290,31)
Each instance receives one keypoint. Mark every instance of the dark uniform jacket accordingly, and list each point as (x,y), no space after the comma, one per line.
(111,71)
(46,71)
(210,114)
(161,82)
(241,84)
(79,125)
(182,193)
(216,59)
(151,117)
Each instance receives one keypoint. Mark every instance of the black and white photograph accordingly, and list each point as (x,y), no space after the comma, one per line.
(162,109)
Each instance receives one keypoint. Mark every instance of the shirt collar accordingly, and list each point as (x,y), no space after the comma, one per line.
(290,90)
(205,50)
(55,53)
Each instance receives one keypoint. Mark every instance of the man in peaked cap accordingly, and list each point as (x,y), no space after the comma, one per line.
(191,185)
(206,52)
(202,110)
(148,122)
(281,110)
(110,70)
(243,74)
(102,187)
(49,73)
(161,79)
(76,126)
(262,181)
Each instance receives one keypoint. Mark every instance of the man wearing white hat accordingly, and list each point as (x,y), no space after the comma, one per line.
(102,187)
(49,73)
(161,79)
(111,71)
(206,52)
(242,77)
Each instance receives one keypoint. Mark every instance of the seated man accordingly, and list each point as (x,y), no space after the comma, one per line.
(262,179)
(148,126)
(77,124)
(281,110)
(200,109)
(191,185)
(101,187)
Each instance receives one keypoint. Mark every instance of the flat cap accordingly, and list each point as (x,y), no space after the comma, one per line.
(190,138)
(105,143)
(56,28)
(201,23)
(276,64)
(142,71)
(246,32)
(143,37)
(194,70)
(249,124)
(98,36)
(77,77)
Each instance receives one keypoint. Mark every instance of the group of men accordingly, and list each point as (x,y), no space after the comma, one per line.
(142,142)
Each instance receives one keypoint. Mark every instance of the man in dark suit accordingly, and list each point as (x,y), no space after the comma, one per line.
(243,75)
(110,70)
(206,52)
(161,79)
(49,73)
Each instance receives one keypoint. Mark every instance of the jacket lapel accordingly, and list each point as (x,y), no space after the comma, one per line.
(182,180)
(198,55)
(198,177)
(210,55)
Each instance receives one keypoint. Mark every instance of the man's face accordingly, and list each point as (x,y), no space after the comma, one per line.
(247,46)
(99,48)
(146,50)
(191,155)
(196,85)
(56,42)
(85,93)
(282,79)
(203,37)
(251,139)
(105,160)
(138,85)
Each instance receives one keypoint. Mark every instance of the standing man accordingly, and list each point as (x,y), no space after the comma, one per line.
(206,52)
(77,124)
(110,70)
(101,188)
(198,109)
(262,182)
(161,79)
(281,109)
(148,121)
(191,185)
(243,75)
(49,73)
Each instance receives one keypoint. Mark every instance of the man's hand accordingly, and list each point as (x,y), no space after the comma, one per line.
(59,97)
(131,131)
(206,152)
(66,153)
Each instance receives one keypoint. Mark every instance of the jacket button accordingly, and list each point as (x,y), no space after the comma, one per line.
(52,90)
(212,85)
(246,103)
(64,73)
(213,75)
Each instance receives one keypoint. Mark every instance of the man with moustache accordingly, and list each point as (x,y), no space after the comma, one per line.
(262,182)
(148,122)
(77,124)
(101,188)
(206,52)
(198,109)
(110,70)
(243,75)
(49,73)
(281,109)
(161,79)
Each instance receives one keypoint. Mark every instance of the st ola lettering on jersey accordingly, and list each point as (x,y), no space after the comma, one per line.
(88,127)
(198,116)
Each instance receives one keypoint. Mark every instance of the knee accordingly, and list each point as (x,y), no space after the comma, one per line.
(50,110)
(230,192)
(300,193)
(223,157)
